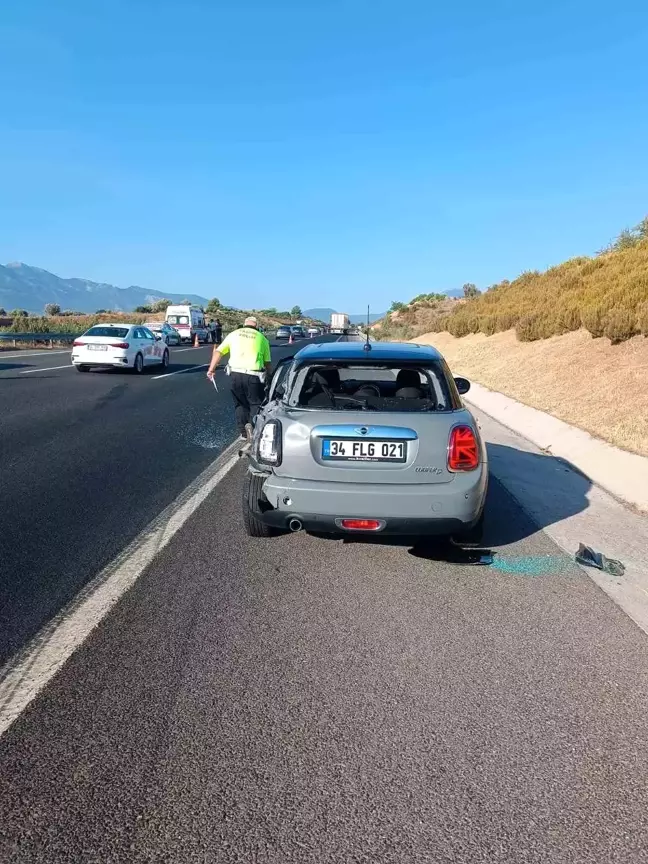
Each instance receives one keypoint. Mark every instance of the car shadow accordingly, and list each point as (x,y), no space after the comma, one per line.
(548,490)
(5,367)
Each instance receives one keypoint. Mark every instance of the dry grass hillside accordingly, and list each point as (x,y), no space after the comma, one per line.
(607,295)
(570,341)
(590,383)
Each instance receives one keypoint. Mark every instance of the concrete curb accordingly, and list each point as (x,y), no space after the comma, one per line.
(623,474)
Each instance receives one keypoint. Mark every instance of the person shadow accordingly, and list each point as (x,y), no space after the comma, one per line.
(527,492)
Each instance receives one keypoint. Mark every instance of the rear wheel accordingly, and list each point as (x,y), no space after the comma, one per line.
(83,368)
(165,359)
(252,492)
(138,365)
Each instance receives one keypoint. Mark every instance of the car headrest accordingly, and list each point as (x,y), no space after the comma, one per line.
(408,393)
(328,377)
(408,378)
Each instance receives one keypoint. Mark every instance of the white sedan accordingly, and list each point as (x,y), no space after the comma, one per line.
(122,346)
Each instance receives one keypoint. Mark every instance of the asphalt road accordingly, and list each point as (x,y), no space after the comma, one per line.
(302,700)
(87,462)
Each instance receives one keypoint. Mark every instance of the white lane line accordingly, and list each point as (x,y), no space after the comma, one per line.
(46,369)
(33,354)
(192,348)
(23,678)
(178,372)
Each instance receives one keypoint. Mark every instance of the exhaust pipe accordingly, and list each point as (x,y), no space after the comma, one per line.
(295,525)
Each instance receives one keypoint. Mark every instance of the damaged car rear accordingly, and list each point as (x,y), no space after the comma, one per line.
(366,439)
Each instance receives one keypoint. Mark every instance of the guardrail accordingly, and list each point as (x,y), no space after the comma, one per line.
(50,338)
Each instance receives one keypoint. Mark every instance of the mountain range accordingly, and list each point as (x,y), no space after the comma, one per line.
(31,288)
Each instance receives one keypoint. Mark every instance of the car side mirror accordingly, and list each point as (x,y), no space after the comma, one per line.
(463,385)
(158,338)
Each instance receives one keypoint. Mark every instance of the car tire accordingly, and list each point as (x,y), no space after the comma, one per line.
(82,368)
(165,359)
(138,365)
(252,491)
(473,536)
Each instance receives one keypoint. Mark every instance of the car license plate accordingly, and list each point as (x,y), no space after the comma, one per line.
(98,347)
(363,451)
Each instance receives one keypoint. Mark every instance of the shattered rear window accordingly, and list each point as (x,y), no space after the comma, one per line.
(371,387)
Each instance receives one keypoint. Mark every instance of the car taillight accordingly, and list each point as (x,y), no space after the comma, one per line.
(78,343)
(119,345)
(269,448)
(361,524)
(463,449)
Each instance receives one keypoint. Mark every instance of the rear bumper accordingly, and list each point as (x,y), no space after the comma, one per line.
(392,527)
(111,363)
(413,509)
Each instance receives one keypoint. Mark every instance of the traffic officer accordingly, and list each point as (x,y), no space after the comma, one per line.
(249,363)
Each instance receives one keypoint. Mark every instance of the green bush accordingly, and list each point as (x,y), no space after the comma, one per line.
(488,324)
(504,321)
(593,320)
(459,325)
(620,325)
(534,327)
(31,324)
(568,318)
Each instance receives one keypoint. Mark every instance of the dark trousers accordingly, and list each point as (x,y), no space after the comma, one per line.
(247,394)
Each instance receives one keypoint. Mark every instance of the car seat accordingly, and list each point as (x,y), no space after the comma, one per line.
(324,384)
(408,384)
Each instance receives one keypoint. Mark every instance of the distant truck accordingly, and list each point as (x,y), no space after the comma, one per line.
(189,321)
(340,323)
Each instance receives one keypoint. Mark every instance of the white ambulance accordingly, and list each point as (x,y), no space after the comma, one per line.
(189,321)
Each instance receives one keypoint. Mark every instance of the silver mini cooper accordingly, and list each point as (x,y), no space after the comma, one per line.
(366,438)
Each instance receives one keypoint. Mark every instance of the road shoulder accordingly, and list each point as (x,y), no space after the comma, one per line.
(572,510)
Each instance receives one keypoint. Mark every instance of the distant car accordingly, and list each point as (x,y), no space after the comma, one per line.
(298,331)
(366,440)
(169,334)
(283,332)
(121,346)
(313,331)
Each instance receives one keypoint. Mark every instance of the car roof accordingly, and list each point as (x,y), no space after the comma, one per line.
(409,352)
(115,324)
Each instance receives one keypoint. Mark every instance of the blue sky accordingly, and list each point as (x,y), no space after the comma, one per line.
(323,153)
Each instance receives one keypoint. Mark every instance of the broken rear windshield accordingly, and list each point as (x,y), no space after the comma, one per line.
(379,387)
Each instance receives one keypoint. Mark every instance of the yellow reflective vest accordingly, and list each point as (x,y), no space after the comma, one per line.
(248,350)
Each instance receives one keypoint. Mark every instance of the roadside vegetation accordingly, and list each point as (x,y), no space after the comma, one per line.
(606,294)
(54,320)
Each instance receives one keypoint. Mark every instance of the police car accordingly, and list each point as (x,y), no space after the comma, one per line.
(121,346)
